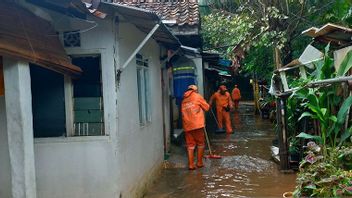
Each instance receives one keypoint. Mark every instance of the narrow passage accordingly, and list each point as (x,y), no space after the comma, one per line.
(245,170)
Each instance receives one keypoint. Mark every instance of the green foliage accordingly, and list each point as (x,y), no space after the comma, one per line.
(340,12)
(326,169)
(345,65)
(321,102)
(345,157)
(324,176)
(220,29)
(259,61)
(258,26)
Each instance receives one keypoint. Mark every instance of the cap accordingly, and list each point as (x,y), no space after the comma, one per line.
(194,87)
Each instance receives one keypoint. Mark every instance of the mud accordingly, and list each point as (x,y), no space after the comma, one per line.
(245,169)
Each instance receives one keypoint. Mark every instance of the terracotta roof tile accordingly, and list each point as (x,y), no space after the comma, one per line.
(183,12)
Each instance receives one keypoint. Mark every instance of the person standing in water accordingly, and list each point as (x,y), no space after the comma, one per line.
(224,104)
(192,107)
(236,96)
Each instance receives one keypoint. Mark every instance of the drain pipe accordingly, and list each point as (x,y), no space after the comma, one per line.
(140,46)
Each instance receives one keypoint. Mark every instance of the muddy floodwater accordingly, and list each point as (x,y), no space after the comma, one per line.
(245,169)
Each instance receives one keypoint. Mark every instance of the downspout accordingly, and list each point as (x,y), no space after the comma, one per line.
(150,34)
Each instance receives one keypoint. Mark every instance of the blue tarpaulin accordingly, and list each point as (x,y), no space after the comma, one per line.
(225,62)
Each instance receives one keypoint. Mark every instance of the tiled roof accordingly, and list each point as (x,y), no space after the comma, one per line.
(182,12)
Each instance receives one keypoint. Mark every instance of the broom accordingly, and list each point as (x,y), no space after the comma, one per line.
(211,155)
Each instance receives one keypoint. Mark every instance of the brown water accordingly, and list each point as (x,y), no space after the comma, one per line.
(245,170)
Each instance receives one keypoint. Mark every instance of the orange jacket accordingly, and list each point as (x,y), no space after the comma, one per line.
(236,94)
(221,100)
(192,108)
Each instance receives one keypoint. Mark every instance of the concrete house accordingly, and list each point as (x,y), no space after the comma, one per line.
(186,65)
(83,109)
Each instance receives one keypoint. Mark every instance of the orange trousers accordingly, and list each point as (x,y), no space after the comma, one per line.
(224,118)
(195,137)
(236,103)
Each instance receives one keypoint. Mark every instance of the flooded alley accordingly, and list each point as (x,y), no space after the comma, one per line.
(245,169)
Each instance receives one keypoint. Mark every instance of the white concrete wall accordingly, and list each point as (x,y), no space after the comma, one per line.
(118,164)
(5,172)
(121,163)
(84,167)
(76,167)
(141,148)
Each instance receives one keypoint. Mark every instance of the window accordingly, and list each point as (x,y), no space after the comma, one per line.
(143,89)
(48,102)
(88,110)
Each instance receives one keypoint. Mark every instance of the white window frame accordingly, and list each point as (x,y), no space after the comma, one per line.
(144,91)
(69,93)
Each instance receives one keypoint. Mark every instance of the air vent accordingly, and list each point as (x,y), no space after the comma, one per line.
(72,39)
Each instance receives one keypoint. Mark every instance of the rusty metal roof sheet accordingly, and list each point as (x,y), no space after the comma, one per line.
(28,37)
(176,13)
(335,34)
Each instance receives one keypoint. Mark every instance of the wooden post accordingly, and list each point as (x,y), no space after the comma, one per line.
(255,93)
(283,145)
(256,96)
(281,114)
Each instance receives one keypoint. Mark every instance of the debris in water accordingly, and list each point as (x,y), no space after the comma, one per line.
(246,163)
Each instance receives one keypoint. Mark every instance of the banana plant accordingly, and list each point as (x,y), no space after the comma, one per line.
(321,102)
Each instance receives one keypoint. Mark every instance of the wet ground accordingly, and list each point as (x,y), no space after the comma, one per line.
(245,169)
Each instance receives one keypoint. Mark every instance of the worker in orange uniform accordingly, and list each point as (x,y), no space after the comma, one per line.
(236,96)
(192,107)
(224,104)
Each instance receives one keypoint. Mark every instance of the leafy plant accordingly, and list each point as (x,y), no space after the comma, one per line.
(321,103)
(326,169)
(322,176)
(293,145)
(345,157)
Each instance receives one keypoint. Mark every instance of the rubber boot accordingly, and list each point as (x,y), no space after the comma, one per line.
(200,152)
(191,165)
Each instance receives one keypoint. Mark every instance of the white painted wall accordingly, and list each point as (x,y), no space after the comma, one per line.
(19,126)
(122,162)
(5,179)
(84,166)
(76,167)
(118,164)
(141,147)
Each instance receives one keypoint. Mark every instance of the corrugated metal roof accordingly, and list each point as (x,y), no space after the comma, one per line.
(145,21)
(28,37)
